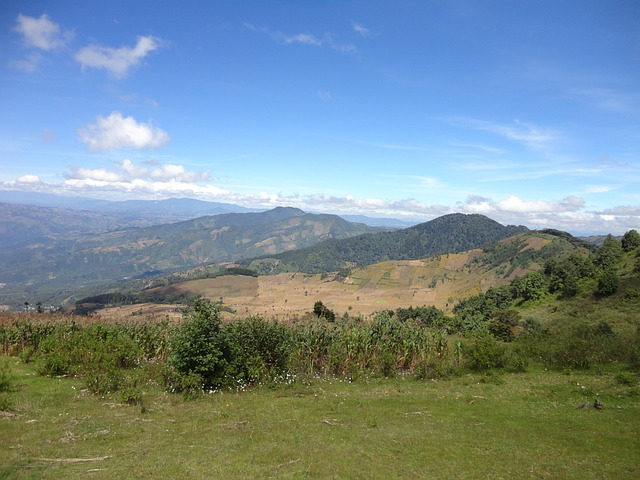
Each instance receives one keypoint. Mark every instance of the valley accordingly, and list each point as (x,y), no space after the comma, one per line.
(438,281)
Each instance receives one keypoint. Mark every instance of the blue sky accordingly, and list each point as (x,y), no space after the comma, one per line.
(526,111)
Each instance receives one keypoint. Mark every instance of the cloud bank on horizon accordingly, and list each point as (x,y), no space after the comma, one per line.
(409,112)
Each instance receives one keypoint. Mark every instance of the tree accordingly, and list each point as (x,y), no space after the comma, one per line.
(609,254)
(608,283)
(320,310)
(630,240)
(199,352)
(531,286)
(501,325)
(564,275)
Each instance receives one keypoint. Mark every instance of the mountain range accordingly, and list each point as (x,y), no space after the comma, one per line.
(56,254)
(47,253)
(451,233)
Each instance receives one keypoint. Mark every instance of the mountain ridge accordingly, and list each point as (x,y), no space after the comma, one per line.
(450,233)
(59,261)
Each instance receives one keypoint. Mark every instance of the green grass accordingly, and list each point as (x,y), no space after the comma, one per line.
(474,426)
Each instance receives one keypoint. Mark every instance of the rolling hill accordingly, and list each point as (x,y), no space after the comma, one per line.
(447,234)
(52,263)
(440,280)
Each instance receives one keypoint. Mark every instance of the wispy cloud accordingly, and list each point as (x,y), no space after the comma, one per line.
(326,40)
(607,99)
(520,132)
(42,33)
(324,95)
(599,188)
(483,148)
(361,29)
(116,131)
(117,61)
(29,63)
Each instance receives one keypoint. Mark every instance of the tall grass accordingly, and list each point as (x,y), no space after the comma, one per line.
(209,354)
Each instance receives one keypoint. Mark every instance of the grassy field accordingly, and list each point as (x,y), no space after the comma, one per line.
(474,426)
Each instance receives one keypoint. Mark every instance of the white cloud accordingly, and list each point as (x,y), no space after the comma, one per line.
(361,29)
(177,173)
(117,61)
(28,64)
(521,132)
(514,204)
(97,175)
(627,211)
(128,180)
(142,188)
(133,170)
(599,188)
(304,39)
(607,99)
(428,182)
(324,95)
(28,179)
(167,179)
(41,32)
(116,131)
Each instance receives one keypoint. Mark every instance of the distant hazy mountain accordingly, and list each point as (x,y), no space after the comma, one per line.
(380,221)
(172,206)
(144,212)
(23,225)
(48,200)
(150,212)
(64,249)
(447,234)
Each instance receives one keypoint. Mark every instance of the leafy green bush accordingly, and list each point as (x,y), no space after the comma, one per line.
(532,286)
(630,240)
(54,364)
(261,348)
(484,354)
(199,351)
(502,324)
(608,283)
(585,346)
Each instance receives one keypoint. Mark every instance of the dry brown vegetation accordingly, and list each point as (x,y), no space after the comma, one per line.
(388,285)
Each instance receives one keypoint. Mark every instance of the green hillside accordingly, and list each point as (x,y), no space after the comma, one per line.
(55,266)
(438,281)
(447,234)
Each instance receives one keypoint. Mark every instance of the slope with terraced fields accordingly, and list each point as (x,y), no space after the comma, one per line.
(439,281)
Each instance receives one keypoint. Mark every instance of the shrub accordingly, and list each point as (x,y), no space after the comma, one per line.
(501,325)
(608,283)
(199,349)
(5,377)
(582,349)
(102,378)
(261,348)
(54,364)
(484,354)
(630,240)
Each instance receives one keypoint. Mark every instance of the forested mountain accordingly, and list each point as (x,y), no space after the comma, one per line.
(447,234)
(55,260)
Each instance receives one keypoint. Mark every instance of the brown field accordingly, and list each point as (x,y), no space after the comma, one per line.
(387,285)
